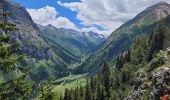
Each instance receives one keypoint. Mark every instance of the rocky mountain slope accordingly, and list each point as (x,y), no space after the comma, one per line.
(121,39)
(39,54)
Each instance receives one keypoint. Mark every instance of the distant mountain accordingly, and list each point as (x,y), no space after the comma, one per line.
(50,51)
(78,43)
(121,39)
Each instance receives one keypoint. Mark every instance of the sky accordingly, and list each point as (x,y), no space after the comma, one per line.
(101,16)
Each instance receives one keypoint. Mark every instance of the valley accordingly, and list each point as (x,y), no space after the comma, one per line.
(48,62)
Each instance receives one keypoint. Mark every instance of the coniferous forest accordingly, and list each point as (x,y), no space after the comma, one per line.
(49,62)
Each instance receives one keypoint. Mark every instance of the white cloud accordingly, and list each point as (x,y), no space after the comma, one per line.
(48,15)
(59,3)
(108,14)
(63,22)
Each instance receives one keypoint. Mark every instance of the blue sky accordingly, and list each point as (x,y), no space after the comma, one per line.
(65,12)
(101,16)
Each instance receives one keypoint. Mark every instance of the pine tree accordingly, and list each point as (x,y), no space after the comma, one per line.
(128,56)
(93,83)
(71,95)
(158,40)
(61,97)
(88,95)
(119,62)
(81,91)
(9,60)
(106,72)
(66,94)
(8,56)
(151,37)
(76,94)
(139,50)
(99,90)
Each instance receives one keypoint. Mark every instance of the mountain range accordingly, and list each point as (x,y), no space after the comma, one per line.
(132,63)
(55,52)
(51,52)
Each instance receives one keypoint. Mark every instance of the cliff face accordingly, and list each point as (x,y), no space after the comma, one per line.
(28,33)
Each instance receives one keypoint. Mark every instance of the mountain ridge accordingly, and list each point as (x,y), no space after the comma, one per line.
(121,39)
(86,42)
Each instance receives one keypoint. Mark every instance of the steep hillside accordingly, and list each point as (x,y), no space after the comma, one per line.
(121,39)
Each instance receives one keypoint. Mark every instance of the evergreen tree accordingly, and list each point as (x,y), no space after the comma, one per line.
(71,95)
(93,83)
(128,56)
(76,93)
(139,50)
(120,60)
(81,91)
(66,94)
(8,56)
(88,95)
(99,90)
(151,37)
(9,60)
(106,76)
(158,40)
(61,97)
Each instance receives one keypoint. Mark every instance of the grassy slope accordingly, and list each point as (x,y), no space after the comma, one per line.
(71,82)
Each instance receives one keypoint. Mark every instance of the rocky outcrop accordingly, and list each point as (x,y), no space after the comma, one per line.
(160,82)
(159,86)
(37,53)
(138,89)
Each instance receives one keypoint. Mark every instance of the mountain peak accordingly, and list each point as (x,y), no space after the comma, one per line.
(155,12)
(160,5)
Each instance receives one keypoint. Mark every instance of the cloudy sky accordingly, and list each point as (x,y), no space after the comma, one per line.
(102,16)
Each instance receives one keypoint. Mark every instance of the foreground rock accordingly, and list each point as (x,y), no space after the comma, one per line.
(159,86)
